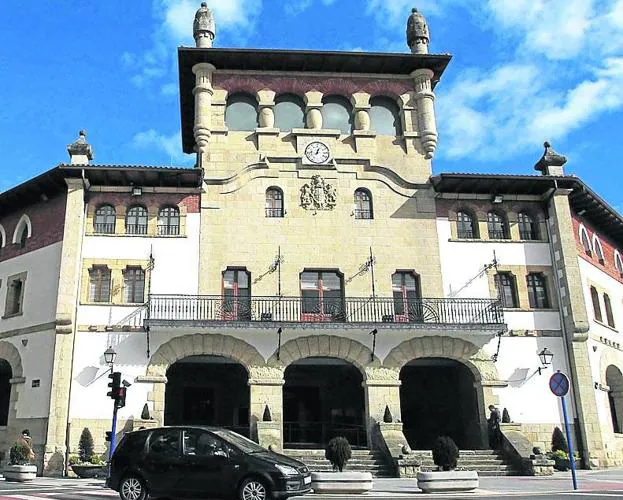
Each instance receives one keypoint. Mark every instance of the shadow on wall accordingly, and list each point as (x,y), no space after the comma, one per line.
(415,208)
(87,376)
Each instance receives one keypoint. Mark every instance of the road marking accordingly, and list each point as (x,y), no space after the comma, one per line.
(596,494)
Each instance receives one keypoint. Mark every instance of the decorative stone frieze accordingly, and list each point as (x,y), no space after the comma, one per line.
(266,375)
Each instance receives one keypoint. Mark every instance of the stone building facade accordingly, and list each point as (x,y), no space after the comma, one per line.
(309,268)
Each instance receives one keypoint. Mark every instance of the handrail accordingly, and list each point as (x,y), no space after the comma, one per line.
(206,308)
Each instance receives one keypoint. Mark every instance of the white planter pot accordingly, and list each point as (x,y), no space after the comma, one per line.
(435,482)
(341,482)
(20,473)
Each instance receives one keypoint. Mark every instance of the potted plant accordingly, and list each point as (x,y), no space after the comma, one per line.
(446,478)
(20,466)
(338,452)
(560,451)
(87,464)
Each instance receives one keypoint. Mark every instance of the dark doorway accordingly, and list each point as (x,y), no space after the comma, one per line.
(438,398)
(5,391)
(207,390)
(614,379)
(323,398)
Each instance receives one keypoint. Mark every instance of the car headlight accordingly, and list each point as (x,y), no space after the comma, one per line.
(286,470)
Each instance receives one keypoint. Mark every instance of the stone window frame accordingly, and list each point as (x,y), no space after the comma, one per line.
(168,232)
(363,213)
(93,223)
(117,290)
(609,311)
(100,269)
(597,299)
(137,228)
(503,219)
(8,297)
(520,274)
(270,210)
(23,225)
(546,287)
(153,210)
(596,303)
(535,233)
(133,269)
(455,225)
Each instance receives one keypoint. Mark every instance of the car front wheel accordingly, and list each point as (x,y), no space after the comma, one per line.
(253,489)
(132,488)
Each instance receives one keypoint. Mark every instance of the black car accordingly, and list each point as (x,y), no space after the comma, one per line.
(197,462)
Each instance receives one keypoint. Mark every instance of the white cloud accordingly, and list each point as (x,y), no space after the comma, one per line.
(396,12)
(168,144)
(295,7)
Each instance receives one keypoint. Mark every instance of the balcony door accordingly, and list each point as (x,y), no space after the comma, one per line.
(406,292)
(322,294)
(236,295)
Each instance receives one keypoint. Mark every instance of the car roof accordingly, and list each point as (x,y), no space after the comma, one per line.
(180,427)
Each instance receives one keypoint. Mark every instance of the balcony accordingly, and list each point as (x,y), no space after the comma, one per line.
(198,310)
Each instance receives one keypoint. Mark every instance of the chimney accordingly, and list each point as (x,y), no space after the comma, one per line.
(80,152)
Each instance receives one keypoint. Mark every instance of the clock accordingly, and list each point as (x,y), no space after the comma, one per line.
(317,152)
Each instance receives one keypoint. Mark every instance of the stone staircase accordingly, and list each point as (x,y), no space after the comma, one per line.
(361,461)
(486,462)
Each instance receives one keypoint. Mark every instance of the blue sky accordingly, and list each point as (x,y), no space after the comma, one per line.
(522,71)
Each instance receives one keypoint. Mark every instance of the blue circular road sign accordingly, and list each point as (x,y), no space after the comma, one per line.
(559,384)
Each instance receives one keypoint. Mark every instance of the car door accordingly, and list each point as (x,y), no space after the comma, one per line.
(162,465)
(207,466)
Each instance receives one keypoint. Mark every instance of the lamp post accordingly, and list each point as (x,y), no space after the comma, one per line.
(109,357)
(546,357)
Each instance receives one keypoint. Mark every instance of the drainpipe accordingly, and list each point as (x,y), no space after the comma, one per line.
(575,393)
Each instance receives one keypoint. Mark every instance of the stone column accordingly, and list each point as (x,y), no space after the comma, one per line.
(266,102)
(68,287)
(203,101)
(382,388)
(313,103)
(425,99)
(266,389)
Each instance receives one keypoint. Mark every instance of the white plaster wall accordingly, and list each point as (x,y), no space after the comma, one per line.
(40,295)
(175,272)
(90,374)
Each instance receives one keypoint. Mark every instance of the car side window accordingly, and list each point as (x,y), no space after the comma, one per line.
(165,442)
(204,444)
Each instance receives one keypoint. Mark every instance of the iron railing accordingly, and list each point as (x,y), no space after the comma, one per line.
(207,308)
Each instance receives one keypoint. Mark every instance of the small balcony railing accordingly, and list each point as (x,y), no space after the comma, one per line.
(213,308)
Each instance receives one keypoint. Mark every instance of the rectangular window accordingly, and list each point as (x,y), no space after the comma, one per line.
(609,315)
(237,295)
(507,291)
(15,295)
(537,291)
(596,306)
(99,284)
(134,285)
(321,293)
(406,294)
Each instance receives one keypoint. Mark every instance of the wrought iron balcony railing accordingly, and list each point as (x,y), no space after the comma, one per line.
(212,308)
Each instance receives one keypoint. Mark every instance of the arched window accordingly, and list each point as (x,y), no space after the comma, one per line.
(337,113)
(466,225)
(136,220)
(289,112)
(614,380)
(595,301)
(537,291)
(618,262)
(241,112)
(363,204)
(497,226)
(274,202)
(23,231)
(528,229)
(406,293)
(385,116)
(608,308)
(2,239)
(586,243)
(599,251)
(104,222)
(169,221)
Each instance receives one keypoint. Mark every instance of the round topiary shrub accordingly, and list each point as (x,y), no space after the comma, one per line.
(338,452)
(20,454)
(559,442)
(445,453)
(85,445)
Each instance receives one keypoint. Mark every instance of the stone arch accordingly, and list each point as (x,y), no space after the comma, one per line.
(330,346)
(23,222)
(2,237)
(203,344)
(10,353)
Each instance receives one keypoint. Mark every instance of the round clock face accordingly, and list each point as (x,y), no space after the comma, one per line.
(317,152)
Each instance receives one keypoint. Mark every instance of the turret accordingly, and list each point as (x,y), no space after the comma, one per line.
(417,33)
(204,28)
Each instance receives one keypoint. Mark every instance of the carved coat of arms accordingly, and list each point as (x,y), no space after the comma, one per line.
(318,195)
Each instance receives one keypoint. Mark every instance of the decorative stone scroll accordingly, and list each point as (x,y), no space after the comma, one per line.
(318,195)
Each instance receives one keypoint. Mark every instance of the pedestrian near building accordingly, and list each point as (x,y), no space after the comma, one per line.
(495,436)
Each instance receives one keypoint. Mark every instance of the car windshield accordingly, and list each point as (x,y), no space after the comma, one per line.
(246,445)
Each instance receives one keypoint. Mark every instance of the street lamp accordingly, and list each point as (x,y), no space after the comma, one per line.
(546,357)
(109,356)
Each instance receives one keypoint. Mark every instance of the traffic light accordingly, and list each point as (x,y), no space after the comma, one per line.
(120,401)
(114,384)
(108,436)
